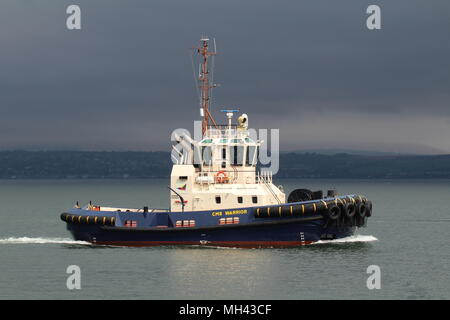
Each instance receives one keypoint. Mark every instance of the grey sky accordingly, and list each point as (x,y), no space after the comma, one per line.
(310,68)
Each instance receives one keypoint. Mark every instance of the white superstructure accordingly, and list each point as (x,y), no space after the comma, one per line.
(220,172)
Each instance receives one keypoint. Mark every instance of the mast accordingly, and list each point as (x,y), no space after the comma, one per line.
(205,86)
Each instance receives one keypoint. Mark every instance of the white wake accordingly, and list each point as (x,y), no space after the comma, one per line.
(354,238)
(39,240)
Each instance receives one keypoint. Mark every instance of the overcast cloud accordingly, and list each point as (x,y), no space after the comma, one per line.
(310,68)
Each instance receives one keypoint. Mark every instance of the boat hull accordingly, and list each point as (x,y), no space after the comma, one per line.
(288,234)
(283,225)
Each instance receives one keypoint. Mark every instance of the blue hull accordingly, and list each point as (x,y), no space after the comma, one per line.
(284,225)
(269,235)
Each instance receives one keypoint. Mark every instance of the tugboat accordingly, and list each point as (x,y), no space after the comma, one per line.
(219,198)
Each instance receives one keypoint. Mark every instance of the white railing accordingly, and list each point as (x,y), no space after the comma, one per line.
(224,131)
(264,177)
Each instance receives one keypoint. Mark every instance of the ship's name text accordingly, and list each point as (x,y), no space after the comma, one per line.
(228,212)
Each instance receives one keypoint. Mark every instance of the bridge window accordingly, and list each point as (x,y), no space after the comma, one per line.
(207,156)
(237,155)
(252,155)
(197,156)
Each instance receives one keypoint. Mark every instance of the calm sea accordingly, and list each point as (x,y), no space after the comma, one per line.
(407,237)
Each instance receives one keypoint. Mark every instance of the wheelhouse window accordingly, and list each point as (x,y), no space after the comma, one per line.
(197,156)
(207,156)
(237,155)
(251,156)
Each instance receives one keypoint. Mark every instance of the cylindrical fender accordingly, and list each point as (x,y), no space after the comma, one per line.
(361,209)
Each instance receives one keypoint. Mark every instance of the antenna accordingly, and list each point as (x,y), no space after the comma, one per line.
(191,55)
(213,65)
(229,114)
(205,86)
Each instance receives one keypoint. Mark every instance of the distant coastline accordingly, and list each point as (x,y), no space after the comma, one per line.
(147,165)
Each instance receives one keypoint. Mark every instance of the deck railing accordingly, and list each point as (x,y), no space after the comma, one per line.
(225,131)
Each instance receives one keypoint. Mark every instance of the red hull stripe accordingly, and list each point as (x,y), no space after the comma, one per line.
(240,244)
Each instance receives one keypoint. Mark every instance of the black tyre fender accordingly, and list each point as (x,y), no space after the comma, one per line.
(349,210)
(333,212)
(361,209)
(369,208)
(299,195)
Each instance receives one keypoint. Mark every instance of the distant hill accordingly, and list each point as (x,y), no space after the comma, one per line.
(312,165)
(85,165)
(347,151)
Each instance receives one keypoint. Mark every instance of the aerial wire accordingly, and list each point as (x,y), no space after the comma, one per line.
(195,77)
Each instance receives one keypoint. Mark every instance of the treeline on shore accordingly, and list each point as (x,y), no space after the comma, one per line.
(95,165)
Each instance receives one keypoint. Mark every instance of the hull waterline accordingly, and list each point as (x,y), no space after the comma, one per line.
(277,235)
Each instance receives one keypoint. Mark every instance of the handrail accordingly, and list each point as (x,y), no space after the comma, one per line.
(266,183)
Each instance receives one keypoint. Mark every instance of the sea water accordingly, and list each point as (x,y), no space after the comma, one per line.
(407,238)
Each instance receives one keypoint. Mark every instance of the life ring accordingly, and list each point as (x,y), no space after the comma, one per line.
(221,177)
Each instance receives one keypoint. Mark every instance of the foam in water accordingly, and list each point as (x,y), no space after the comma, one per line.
(39,240)
(354,238)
